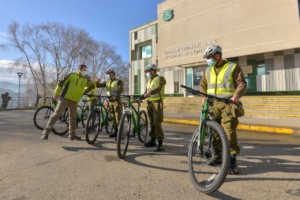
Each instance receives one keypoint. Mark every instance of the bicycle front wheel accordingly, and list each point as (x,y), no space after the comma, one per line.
(42,116)
(142,126)
(208,161)
(93,126)
(123,134)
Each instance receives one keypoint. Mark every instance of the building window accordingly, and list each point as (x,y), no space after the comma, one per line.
(147,51)
(135,35)
(136,84)
(299,8)
(176,87)
(261,69)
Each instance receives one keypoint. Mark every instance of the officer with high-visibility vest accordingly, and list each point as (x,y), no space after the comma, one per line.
(113,86)
(224,79)
(155,94)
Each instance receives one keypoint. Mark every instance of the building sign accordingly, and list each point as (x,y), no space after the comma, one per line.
(247,69)
(168,15)
(195,48)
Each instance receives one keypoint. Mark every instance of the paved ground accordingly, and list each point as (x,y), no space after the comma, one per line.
(31,168)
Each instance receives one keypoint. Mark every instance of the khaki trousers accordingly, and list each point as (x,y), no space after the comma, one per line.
(223,113)
(60,108)
(155,113)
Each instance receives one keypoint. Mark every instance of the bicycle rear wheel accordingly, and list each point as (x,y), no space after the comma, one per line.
(42,116)
(109,125)
(208,162)
(142,126)
(61,126)
(92,128)
(123,134)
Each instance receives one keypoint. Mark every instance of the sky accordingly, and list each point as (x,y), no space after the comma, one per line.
(105,20)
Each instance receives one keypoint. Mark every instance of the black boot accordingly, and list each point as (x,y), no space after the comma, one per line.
(114,134)
(233,168)
(151,143)
(160,145)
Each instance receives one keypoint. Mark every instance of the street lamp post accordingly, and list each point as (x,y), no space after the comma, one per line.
(19,74)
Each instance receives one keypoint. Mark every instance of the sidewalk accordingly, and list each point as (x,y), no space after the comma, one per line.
(288,126)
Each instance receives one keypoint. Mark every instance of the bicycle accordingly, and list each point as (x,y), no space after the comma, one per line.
(61,127)
(140,126)
(208,154)
(100,115)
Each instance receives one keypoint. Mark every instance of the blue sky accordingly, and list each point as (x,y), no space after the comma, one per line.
(104,20)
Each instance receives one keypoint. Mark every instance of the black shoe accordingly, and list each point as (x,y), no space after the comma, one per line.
(114,134)
(151,143)
(74,137)
(217,160)
(233,168)
(160,146)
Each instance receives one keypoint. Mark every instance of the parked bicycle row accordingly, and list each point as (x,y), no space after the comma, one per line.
(214,146)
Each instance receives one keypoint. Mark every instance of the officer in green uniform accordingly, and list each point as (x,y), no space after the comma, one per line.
(155,94)
(113,86)
(69,91)
(224,79)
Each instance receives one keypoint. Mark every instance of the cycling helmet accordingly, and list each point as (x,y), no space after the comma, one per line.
(109,71)
(212,50)
(150,66)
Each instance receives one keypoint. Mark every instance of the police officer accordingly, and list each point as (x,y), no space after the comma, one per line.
(69,90)
(113,86)
(155,94)
(224,79)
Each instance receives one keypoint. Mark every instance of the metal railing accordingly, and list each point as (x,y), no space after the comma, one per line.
(16,102)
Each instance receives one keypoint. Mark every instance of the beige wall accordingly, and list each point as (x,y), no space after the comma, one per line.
(241,27)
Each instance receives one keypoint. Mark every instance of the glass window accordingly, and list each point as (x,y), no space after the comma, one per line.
(136,84)
(147,51)
(189,77)
(198,73)
(261,69)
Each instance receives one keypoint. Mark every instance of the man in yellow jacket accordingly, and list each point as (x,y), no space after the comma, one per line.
(69,91)
(224,79)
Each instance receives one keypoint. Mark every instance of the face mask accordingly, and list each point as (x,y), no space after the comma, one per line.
(211,62)
(83,73)
(148,75)
(107,76)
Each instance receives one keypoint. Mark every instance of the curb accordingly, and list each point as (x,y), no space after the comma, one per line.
(256,128)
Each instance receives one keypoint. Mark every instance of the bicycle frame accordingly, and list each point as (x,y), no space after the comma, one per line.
(134,113)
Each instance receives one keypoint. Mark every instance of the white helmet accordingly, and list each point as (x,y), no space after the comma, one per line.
(149,67)
(212,50)
(109,71)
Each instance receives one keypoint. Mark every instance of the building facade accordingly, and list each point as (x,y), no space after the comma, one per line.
(262,37)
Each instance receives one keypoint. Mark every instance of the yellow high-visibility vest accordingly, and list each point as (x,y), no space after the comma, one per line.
(221,84)
(111,87)
(152,84)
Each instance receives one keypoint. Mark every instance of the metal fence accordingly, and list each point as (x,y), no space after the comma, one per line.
(23,102)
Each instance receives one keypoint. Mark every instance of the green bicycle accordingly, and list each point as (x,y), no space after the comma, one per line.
(101,115)
(61,127)
(140,126)
(208,154)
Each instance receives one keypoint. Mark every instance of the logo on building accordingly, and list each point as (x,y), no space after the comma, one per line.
(168,15)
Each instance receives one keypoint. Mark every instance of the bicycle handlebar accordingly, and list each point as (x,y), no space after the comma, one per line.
(197,92)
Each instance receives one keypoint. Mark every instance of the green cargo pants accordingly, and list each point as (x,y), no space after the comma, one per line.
(155,113)
(223,112)
(117,109)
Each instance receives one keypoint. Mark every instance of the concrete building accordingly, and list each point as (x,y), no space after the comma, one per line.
(262,36)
